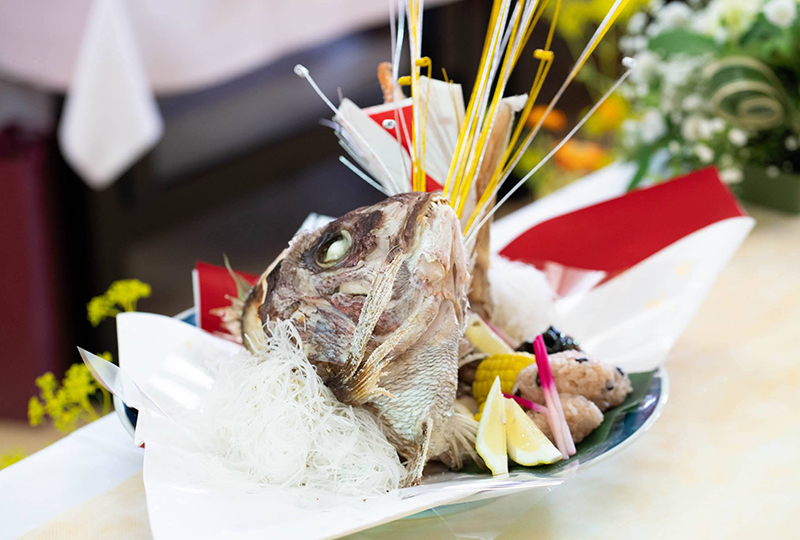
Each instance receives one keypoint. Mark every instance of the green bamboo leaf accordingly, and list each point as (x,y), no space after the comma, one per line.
(681,42)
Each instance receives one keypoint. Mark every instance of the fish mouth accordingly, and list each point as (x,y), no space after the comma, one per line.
(426,211)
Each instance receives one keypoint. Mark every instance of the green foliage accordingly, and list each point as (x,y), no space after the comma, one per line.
(717,85)
(681,42)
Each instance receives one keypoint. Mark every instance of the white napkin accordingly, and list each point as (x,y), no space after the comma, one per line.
(110,117)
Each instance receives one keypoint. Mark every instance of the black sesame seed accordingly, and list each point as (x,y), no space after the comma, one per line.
(620,370)
(538,381)
(609,385)
(581,360)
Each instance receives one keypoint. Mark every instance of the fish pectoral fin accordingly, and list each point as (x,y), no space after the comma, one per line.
(361,385)
(416,464)
(366,387)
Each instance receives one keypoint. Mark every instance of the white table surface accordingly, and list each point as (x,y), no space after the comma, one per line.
(75,469)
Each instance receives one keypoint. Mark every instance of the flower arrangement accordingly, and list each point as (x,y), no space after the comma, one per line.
(595,146)
(70,403)
(716,84)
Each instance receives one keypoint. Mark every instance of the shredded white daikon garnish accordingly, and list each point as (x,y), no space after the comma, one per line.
(271,418)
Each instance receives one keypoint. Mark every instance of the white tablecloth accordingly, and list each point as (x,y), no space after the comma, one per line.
(184,44)
(113,56)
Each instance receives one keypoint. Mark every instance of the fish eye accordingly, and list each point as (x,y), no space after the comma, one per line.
(334,249)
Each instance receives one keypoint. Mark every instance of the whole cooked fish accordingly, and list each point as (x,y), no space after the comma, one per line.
(379,297)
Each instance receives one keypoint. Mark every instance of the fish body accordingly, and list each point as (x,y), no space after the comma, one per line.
(379,297)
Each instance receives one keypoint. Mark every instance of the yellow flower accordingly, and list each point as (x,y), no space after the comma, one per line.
(107,356)
(121,296)
(10,458)
(578,17)
(127,292)
(35,411)
(78,384)
(99,308)
(609,116)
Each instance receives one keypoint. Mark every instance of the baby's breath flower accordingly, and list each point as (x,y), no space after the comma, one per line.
(791,143)
(674,15)
(637,22)
(737,137)
(653,126)
(692,102)
(731,176)
(704,153)
(781,13)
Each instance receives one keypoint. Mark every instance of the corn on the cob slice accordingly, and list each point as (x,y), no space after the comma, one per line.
(505,366)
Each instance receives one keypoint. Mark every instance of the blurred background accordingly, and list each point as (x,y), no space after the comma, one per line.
(137,138)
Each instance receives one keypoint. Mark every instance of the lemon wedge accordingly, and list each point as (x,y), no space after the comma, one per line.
(484,338)
(491,440)
(525,442)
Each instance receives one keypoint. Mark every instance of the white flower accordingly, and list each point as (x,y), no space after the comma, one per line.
(674,15)
(737,137)
(773,171)
(646,68)
(630,130)
(637,22)
(655,5)
(653,29)
(692,102)
(731,176)
(704,153)
(632,44)
(781,13)
(717,125)
(677,72)
(674,147)
(709,22)
(724,19)
(690,128)
(791,143)
(705,129)
(737,15)
(652,126)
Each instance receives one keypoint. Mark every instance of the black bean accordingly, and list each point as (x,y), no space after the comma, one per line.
(609,385)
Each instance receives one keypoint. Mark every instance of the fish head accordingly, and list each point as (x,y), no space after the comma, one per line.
(322,281)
